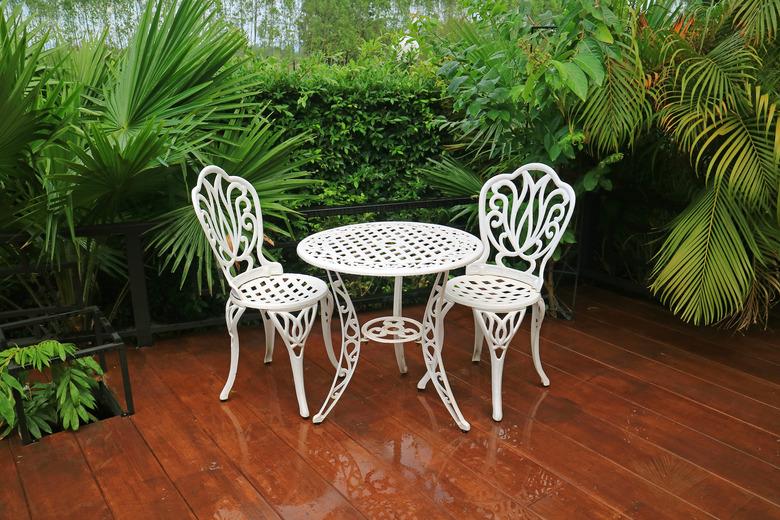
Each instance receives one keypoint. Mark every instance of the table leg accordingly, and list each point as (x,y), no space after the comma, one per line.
(350,345)
(398,294)
(432,342)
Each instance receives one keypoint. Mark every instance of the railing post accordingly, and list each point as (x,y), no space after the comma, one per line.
(138,294)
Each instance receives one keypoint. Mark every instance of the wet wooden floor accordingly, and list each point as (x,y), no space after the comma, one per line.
(645,418)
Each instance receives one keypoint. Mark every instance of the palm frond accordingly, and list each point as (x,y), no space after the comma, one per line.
(757,20)
(717,77)
(257,152)
(455,179)
(177,68)
(741,146)
(704,268)
(618,111)
(765,289)
(23,121)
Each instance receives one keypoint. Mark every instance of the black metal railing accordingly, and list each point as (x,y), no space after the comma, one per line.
(144,329)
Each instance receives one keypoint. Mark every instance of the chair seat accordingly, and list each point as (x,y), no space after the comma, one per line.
(280,292)
(489,292)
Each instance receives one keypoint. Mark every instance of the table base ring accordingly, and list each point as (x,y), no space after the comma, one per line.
(392,329)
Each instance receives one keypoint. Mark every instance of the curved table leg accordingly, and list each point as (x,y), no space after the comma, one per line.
(398,294)
(326,314)
(432,341)
(350,345)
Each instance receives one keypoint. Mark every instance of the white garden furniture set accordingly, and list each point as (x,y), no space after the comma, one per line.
(522,217)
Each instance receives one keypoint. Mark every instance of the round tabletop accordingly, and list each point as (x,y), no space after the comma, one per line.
(390,249)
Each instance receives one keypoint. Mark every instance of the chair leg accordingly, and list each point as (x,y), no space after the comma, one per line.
(294,330)
(270,335)
(498,331)
(326,314)
(497,355)
(233,313)
(479,339)
(537,316)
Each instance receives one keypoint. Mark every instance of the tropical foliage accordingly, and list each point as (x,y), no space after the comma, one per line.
(583,82)
(99,135)
(65,399)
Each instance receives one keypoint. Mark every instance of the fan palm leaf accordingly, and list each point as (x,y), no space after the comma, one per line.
(177,69)
(259,153)
(23,119)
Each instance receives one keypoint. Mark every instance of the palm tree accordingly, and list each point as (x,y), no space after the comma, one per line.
(719,260)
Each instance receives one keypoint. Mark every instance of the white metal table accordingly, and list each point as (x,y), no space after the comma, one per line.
(391,249)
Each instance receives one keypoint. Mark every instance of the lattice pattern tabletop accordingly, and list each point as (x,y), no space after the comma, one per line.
(390,249)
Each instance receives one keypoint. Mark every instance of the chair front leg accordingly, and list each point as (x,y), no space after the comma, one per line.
(537,316)
(479,339)
(294,330)
(499,332)
(270,335)
(326,314)
(233,314)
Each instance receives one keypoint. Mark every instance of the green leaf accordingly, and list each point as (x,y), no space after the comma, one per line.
(602,34)
(456,83)
(590,63)
(573,78)
(7,412)
(11,381)
(591,180)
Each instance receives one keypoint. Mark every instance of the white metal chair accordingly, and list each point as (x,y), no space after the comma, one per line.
(520,224)
(229,212)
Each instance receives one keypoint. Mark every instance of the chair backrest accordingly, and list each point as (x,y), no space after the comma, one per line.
(522,219)
(229,212)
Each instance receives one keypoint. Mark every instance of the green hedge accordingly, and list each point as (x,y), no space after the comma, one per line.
(373,123)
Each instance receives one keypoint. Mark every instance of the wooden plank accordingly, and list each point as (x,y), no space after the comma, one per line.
(741,473)
(572,461)
(714,424)
(752,377)
(757,343)
(684,450)
(428,463)
(132,481)
(57,480)
(373,488)
(736,466)
(12,499)
(735,405)
(518,476)
(206,477)
(273,467)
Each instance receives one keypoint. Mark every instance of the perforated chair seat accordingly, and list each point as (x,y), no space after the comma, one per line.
(489,292)
(280,292)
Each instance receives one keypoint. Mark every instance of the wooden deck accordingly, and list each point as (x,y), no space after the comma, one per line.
(645,418)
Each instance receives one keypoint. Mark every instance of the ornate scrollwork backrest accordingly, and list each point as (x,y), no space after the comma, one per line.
(228,209)
(524,220)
